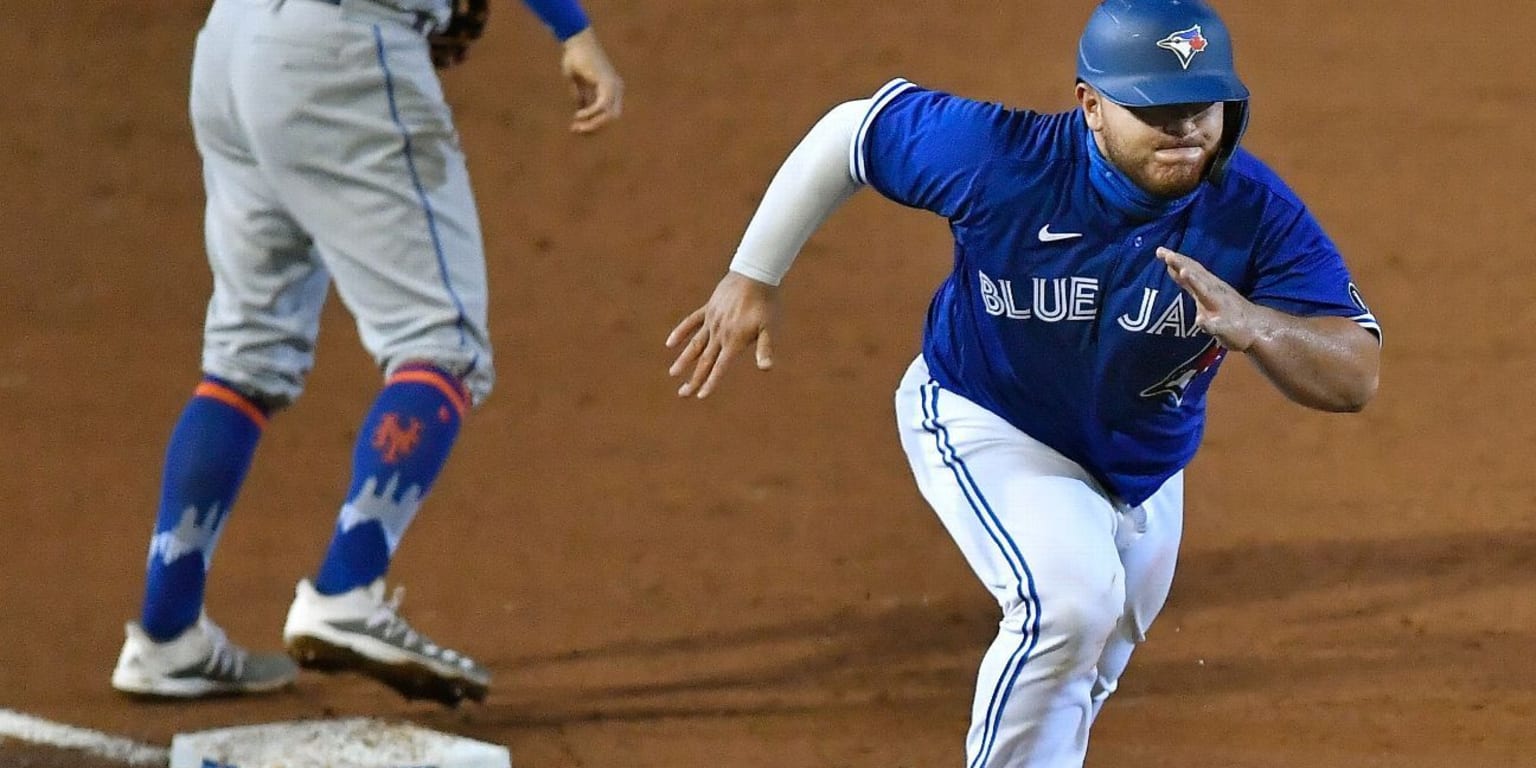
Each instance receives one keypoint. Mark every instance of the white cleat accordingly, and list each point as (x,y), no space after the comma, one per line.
(199,662)
(360,631)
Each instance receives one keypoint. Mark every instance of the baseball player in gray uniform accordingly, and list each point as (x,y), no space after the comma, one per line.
(330,157)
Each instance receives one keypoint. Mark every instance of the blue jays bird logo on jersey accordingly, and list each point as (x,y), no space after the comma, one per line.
(1185,44)
(1178,380)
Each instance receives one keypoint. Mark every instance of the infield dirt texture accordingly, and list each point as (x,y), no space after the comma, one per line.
(753,580)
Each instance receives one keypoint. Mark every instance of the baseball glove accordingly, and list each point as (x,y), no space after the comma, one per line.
(451,44)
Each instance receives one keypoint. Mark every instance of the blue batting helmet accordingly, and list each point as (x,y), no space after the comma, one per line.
(1145,53)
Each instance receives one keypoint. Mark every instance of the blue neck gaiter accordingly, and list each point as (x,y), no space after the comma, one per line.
(1122,194)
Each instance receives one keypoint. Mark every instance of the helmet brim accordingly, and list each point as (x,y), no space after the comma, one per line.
(1187,88)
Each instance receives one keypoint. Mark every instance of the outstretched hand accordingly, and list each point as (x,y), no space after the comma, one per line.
(1220,310)
(738,315)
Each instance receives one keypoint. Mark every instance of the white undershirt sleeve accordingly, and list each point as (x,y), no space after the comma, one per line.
(813,181)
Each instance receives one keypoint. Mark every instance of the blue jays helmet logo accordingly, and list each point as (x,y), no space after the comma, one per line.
(1179,379)
(1185,43)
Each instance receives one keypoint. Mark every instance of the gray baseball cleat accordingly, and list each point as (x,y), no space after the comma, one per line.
(360,631)
(199,662)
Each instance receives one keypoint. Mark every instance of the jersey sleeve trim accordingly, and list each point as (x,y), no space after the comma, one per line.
(1368,322)
(857,163)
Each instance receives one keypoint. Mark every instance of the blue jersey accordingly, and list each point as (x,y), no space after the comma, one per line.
(1058,316)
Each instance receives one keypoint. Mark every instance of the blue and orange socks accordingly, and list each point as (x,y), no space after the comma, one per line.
(400,450)
(205,464)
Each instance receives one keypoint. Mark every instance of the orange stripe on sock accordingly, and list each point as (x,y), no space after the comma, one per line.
(232,399)
(455,395)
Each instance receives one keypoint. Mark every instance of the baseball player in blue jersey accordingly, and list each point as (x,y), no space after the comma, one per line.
(330,156)
(1106,261)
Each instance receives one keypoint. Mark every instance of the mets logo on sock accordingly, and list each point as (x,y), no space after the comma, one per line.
(395,440)
(1185,43)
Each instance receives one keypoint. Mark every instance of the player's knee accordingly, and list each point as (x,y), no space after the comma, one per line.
(455,347)
(1087,624)
(272,382)
(1073,628)
(268,394)
(270,402)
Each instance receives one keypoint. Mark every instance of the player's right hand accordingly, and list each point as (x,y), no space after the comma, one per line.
(738,315)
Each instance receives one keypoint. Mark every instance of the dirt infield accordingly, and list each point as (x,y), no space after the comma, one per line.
(753,580)
(19,755)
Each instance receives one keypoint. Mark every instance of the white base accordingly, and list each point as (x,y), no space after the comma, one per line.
(351,743)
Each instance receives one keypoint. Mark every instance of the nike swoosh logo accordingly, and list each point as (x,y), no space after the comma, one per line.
(1047,236)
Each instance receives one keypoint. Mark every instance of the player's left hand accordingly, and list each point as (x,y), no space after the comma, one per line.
(598,89)
(1220,310)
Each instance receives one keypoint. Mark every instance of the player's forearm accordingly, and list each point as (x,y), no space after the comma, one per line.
(1327,363)
(813,181)
(564,17)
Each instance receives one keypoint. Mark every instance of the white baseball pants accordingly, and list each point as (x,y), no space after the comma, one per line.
(1079,575)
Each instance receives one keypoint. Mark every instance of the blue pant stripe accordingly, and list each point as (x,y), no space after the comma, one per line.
(421,190)
(1011,553)
(1031,639)
(993,719)
(946,455)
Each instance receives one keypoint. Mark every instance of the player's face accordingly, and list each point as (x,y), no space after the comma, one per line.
(1166,150)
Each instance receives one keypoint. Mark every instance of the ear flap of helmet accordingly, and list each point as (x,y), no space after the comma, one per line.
(1235,120)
